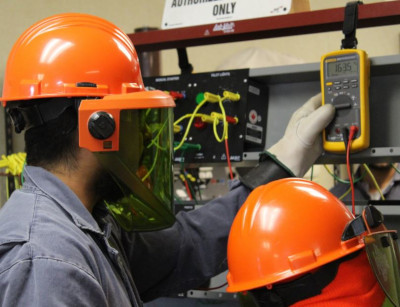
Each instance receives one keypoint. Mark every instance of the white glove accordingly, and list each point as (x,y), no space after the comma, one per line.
(301,144)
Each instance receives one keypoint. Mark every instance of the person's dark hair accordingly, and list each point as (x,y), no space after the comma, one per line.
(54,143)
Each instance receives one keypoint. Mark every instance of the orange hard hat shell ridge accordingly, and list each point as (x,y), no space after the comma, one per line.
(284,229)
(69,55)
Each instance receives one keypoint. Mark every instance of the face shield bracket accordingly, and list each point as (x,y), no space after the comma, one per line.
(371,218)
(354,228)
(381,247)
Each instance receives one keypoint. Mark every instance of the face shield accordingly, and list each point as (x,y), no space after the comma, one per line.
(382,250)
(131,135)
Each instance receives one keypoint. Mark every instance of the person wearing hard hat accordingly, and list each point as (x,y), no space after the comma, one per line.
(92,224)
(293,243)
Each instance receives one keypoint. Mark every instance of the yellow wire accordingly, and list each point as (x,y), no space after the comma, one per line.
(333,175)
(190,123)
(155,141)
(216,121)
(345,193)
(223,117)
(152,167)
(186,116)
(13,163)
(378,188)
(369,173)
(16,182)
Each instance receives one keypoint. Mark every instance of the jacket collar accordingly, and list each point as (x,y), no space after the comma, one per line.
(54,188)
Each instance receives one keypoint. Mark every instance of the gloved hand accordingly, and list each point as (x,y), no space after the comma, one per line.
(301,144)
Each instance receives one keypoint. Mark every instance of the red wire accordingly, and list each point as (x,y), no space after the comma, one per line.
(353,131)
(188,190)
(214,288)
(228,158)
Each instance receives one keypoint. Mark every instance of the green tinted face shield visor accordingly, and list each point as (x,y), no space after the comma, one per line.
(137,154)
(382,250)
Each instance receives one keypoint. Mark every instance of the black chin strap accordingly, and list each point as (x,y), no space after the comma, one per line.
(309,285)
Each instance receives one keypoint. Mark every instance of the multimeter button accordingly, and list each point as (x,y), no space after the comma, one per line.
(345,86)
(354,81)
(345,81)
(338,87)
(337,82)
(354,85)
(328,83)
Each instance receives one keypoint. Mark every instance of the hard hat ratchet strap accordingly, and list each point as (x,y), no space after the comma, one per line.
(37,114)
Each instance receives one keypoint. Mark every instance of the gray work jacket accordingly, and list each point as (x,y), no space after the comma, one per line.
(53,252)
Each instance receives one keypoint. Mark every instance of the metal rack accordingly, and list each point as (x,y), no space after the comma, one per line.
(369,15)
(286,79)
(291,85)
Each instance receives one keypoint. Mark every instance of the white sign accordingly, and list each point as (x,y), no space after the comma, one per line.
(187,13)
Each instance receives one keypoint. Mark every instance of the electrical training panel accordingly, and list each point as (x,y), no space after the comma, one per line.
(201,101)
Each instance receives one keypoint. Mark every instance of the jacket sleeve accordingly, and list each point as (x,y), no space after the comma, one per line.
(268,169)
(193,250)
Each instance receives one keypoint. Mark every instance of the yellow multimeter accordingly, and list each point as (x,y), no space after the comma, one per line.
(345,78)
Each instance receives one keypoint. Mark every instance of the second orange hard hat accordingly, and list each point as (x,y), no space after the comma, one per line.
(286,228)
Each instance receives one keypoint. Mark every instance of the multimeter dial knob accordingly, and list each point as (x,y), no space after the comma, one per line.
(342,102)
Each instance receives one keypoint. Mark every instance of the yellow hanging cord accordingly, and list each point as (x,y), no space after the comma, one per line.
(14,163)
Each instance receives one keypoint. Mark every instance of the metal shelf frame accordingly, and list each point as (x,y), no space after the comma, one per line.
(291,85)
(302,80)
(369,15)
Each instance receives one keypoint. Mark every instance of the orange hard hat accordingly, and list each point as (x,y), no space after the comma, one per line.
(87,63)
(284,229)
(71,55)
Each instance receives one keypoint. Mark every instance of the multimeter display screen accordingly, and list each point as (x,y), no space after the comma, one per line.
(342,68)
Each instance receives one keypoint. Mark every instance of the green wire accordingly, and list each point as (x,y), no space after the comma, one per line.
(344,181)
(22,173)
(367,170)
(395,168)
(338,179)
